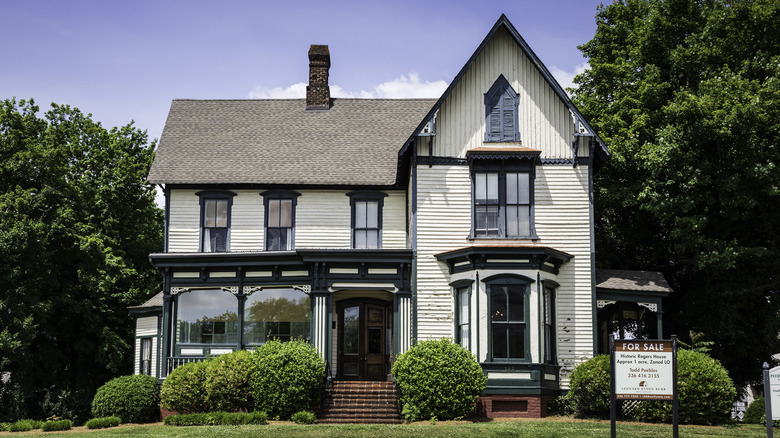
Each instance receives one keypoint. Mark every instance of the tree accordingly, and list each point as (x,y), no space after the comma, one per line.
(77,223)
(686,93)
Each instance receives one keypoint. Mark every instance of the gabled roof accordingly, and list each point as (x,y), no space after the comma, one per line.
(503,22)
(269,142)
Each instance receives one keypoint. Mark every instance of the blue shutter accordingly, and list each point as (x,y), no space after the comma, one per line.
(501,112)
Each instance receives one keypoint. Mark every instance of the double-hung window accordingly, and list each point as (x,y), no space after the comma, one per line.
(464,317)
(549,325)
(503,197)
(508,320)
(146,356)
(215,208)
(366,218)
(279,219)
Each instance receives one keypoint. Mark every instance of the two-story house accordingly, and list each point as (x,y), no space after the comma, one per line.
(364,225)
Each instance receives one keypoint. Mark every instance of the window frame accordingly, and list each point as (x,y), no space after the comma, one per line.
(366,196)
(501,90)
(280,195)
(147,340)
(458,287)
(214,195)
(519,281)
(509,165)
(549,288)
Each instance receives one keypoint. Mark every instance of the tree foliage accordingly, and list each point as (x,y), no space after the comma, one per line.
(77,222)
(686,93)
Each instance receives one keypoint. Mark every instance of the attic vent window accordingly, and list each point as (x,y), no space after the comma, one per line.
(501,112)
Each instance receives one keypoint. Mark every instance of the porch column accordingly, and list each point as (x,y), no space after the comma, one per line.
(321,323)
(403,322)
(166,325)
(659,318)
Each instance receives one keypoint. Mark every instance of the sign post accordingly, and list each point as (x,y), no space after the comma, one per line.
(643,370)
(771,396)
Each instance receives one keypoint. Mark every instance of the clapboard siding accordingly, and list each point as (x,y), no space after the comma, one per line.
(323,219)
(184,221)
(443,223)
(562,219)
(246,221)
(544,120)
(146,326)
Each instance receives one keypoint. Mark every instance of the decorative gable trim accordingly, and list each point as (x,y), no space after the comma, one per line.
(503,21)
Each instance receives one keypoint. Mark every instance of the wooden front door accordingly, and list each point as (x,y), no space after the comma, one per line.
(364,340)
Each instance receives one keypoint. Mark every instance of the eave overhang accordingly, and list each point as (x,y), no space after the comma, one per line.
(493,153)
(504,257)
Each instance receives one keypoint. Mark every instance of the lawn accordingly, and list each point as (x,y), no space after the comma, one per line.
(550,427)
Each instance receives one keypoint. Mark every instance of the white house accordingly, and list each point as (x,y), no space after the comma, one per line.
(365,225)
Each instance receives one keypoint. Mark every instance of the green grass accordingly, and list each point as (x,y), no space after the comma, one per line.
(555,427)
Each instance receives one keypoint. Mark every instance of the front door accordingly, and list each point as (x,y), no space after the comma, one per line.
(364,339)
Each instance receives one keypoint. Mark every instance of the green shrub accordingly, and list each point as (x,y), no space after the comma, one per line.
(21,426)
(216,418)
(303,417)
(103,422)
(57,425)
(134,399)
(705,390)
(560,406)
(755,412)
(589,388)
(227,382)
(439,379)
(184,390)
(286,377)
(4,427)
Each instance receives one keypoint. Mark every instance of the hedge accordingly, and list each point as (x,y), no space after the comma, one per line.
(134,399)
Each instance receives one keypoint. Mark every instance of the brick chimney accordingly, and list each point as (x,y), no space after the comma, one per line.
(318,91)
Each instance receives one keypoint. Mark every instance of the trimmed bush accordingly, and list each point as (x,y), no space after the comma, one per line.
(4,427)
(57,425)
(134,399)
(755,412)
(705,390)
(286,377)
(216,418)
(21,426)
(184,390)
(227,382)
(303,417)
(589,388)
(438,379)
(103,422)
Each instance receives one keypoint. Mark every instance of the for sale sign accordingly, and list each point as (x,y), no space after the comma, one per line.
(644,370)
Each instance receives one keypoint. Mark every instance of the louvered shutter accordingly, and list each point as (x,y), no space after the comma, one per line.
(495,129)
(508,109)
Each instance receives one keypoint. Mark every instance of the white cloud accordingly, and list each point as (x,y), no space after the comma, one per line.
(400,88)
(294,91)
(566,78)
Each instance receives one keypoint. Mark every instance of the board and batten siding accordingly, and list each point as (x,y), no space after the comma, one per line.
(544,120)
(323,219)
(562,222)
(146,327)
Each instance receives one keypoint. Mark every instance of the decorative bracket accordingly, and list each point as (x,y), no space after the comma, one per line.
(179,290)
(653,307)
(232,289)
(604,303)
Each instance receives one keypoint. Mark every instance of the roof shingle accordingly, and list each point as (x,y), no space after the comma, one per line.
(355,142)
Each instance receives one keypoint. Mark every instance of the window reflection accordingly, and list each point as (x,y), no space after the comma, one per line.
(282,314)
(207,316)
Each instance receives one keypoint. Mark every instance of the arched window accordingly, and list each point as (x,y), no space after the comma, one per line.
(501,112)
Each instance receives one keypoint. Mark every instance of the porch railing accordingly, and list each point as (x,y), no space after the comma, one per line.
(175,362)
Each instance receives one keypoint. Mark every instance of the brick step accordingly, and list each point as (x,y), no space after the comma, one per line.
(360,402)
(360,421)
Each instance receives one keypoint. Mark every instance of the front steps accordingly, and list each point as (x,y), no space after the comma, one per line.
(360,402)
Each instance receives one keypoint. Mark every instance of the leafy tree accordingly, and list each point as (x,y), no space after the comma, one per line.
(77,222)
(686,93)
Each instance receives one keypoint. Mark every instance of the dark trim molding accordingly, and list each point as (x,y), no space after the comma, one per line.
(441,161)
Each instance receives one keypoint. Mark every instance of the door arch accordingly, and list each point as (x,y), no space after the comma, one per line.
(364,339)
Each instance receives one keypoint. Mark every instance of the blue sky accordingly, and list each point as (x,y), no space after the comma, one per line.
(126,60)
